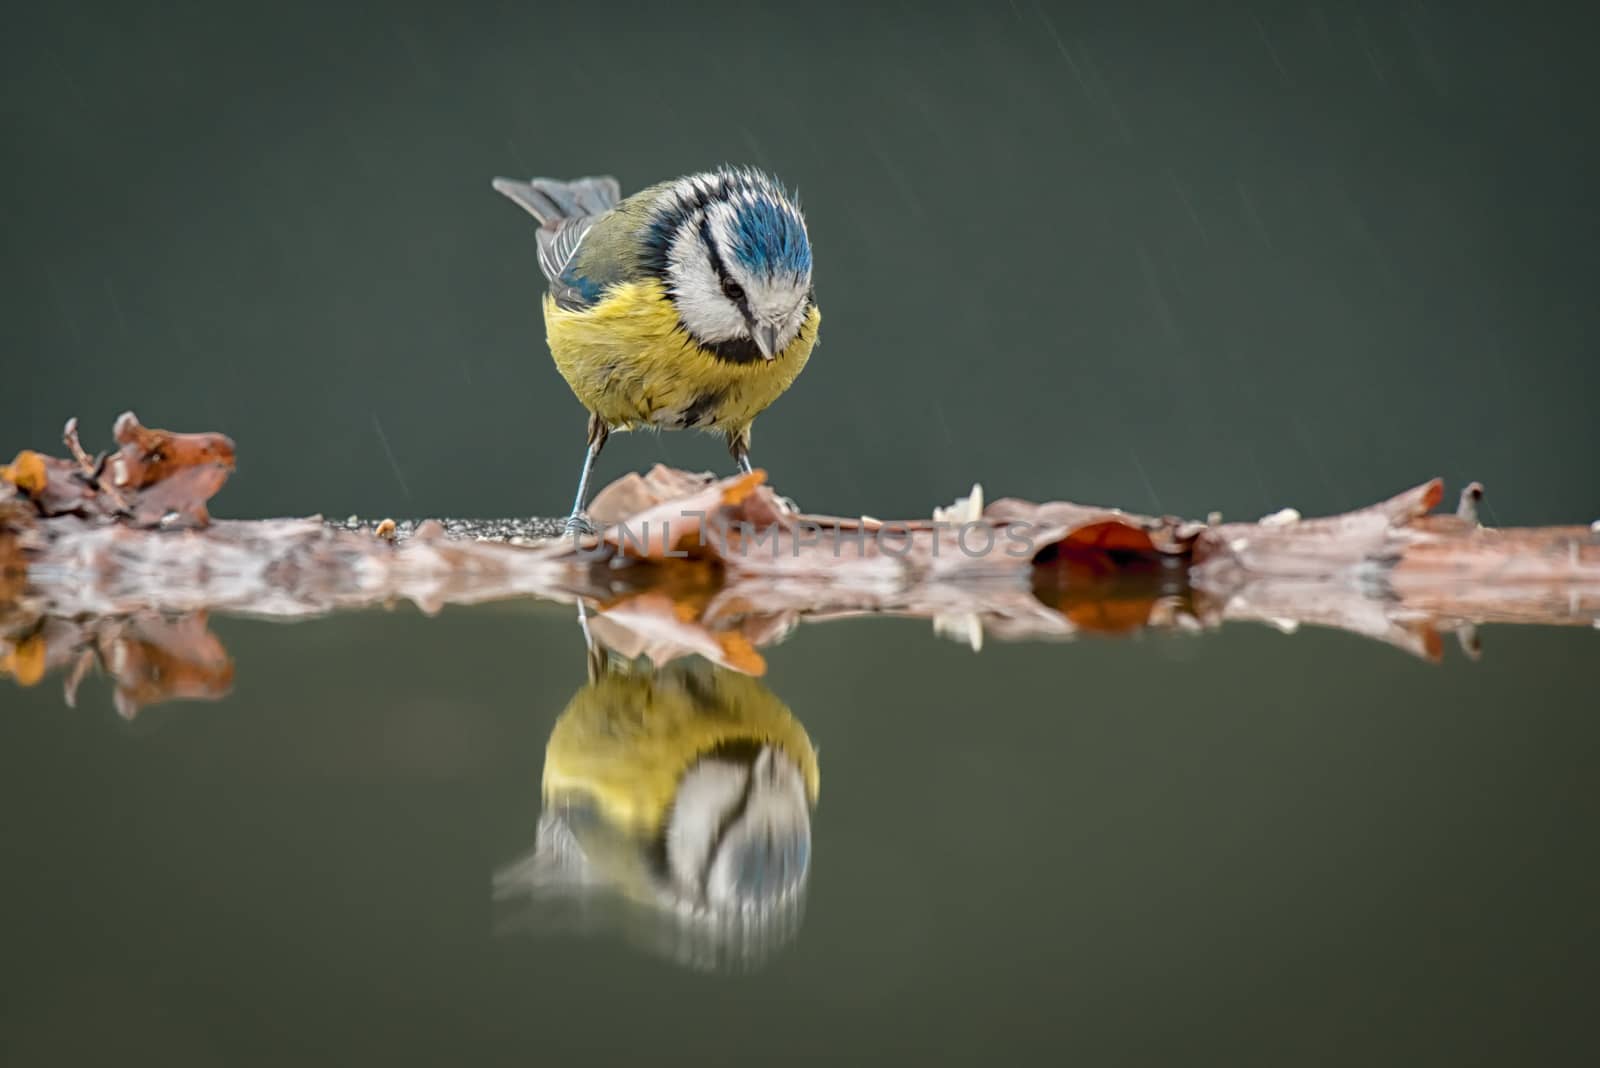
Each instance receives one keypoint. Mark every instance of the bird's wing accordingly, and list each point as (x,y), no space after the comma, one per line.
(566,211)
(558,243)
(584,257)
(579,275)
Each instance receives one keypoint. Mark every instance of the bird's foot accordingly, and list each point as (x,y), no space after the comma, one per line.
(787,506)
(578,525)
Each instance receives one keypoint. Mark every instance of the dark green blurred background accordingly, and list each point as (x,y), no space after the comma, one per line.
(1177,258)
(1180,258)
(1246,849)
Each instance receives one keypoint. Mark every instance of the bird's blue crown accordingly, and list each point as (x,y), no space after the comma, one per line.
(769,237)
(769,234)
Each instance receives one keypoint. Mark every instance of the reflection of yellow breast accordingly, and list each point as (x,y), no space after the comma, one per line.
(631,363)
(625,740)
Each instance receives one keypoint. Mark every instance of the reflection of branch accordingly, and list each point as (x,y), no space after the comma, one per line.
(150,658)
(733,559)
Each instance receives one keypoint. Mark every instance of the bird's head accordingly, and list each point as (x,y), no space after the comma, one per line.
(739,834)
(737,262)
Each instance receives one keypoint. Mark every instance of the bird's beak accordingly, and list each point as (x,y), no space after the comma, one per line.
(767,341)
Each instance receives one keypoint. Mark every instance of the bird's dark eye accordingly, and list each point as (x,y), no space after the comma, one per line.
(733,290)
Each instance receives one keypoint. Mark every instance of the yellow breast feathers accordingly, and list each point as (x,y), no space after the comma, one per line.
(631,363)
(625,741)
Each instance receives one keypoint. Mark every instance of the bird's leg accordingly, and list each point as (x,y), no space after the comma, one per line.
(598,432)
(594,652)
(739,446)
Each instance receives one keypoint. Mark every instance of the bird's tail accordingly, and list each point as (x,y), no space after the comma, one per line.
(550,200)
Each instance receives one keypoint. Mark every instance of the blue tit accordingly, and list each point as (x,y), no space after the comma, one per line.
(687,305)
(680,799)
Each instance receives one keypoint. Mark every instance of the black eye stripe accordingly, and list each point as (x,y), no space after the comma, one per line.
(724,825)
(730,289)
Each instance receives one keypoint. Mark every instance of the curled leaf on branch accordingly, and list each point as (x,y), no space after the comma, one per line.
(155,477)
(54,486)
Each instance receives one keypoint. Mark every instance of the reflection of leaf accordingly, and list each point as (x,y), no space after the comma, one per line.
(25,661)
(150,658)
(655,626)
(1093,601)
(13,568)
(154,660)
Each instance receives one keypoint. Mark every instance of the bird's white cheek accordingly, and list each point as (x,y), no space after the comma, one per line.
(709,318)
(796,323)
(697,292)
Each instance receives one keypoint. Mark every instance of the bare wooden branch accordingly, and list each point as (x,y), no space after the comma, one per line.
(687,563)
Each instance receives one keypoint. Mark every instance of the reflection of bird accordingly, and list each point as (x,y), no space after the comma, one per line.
(687,305)
(682,798)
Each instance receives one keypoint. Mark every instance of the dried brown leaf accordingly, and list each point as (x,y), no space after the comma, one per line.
(157,477)
(633,493)
(167,477)
(55,486)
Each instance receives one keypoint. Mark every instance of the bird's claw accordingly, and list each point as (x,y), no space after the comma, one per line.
(578,526)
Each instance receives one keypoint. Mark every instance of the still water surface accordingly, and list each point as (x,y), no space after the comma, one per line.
(1241,847)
